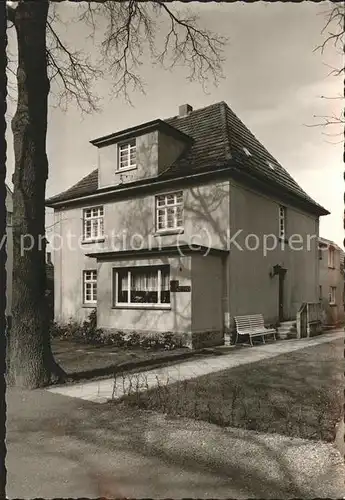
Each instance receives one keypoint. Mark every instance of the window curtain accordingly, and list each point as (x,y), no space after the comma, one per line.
(124,283)
(165,281)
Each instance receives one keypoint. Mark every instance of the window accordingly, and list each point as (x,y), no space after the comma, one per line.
(9,218)
(320,292)
(127,155)
(331,257)
(169,211)
(93,223)
(332,292)
(142,285)
(282,222)
(320,253)
(90,287)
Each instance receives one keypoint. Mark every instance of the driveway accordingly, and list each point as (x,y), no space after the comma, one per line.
(67,447)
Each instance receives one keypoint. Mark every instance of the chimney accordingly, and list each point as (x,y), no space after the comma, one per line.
(184,110)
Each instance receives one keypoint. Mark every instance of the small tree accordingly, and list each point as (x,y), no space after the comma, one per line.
(126,31)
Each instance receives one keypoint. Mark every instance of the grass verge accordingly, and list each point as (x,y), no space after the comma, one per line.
(298,394)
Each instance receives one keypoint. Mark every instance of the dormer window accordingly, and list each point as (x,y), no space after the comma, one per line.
(127,155)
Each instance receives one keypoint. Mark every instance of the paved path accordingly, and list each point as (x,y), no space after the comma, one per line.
(60,447)
(101,391)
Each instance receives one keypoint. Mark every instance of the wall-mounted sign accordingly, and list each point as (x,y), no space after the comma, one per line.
(175,287)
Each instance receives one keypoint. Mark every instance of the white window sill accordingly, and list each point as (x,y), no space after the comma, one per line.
(332,304)
(165,232)
(127,169)
(93,240)
(139,305)
(90,304)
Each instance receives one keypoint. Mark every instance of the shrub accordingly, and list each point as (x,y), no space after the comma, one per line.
(88,333)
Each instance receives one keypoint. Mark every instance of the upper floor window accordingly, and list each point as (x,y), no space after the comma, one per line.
(331,257)
(8,218)
(127,155)
(332,294)
(90,287)
(169,211)
(93,223)
(282,222)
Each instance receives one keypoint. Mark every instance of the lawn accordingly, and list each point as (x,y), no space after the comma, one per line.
(298,394)
(84,361)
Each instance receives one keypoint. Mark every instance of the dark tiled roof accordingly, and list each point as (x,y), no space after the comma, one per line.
(219,137)
(87,185)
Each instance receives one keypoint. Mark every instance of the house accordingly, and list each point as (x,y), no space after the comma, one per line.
(331,286)
(9,251)
(185,223)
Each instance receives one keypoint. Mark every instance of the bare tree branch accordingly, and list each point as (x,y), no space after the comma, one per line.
(125,34)
(334,31)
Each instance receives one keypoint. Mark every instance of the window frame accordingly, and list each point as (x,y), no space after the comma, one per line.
(331,254)
(320,293)
(165,207)
(127,143)
(282,219)
(100,224)
(332,295)
(93,281)
(140,305)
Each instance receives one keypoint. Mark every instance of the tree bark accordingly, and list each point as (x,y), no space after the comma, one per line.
(30,358)
(3,97)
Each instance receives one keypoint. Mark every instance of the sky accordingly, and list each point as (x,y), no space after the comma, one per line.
(273,80)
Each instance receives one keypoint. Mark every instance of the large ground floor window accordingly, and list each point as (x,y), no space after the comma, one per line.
(142,286)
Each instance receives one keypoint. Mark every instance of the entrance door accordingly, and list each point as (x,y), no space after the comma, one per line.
(281,277)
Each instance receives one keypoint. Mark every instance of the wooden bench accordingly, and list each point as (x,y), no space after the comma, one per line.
(253,326)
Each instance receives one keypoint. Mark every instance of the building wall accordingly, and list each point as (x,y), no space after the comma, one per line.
(69,263)
(130,224)
(208,278)
(331,277)
(177,319)
(251,289)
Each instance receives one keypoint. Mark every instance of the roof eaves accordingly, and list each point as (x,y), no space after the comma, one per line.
(140,129)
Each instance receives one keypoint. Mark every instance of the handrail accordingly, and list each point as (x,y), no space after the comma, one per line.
(308,313)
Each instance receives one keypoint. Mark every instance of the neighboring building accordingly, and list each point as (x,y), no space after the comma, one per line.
(9,251)
(331,286)
(160,188)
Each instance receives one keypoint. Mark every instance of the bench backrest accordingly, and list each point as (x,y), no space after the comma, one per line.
(242,324)
(249,323)
(257,322)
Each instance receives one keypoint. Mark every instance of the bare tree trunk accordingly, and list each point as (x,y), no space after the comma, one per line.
(30,359)
(3,96)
